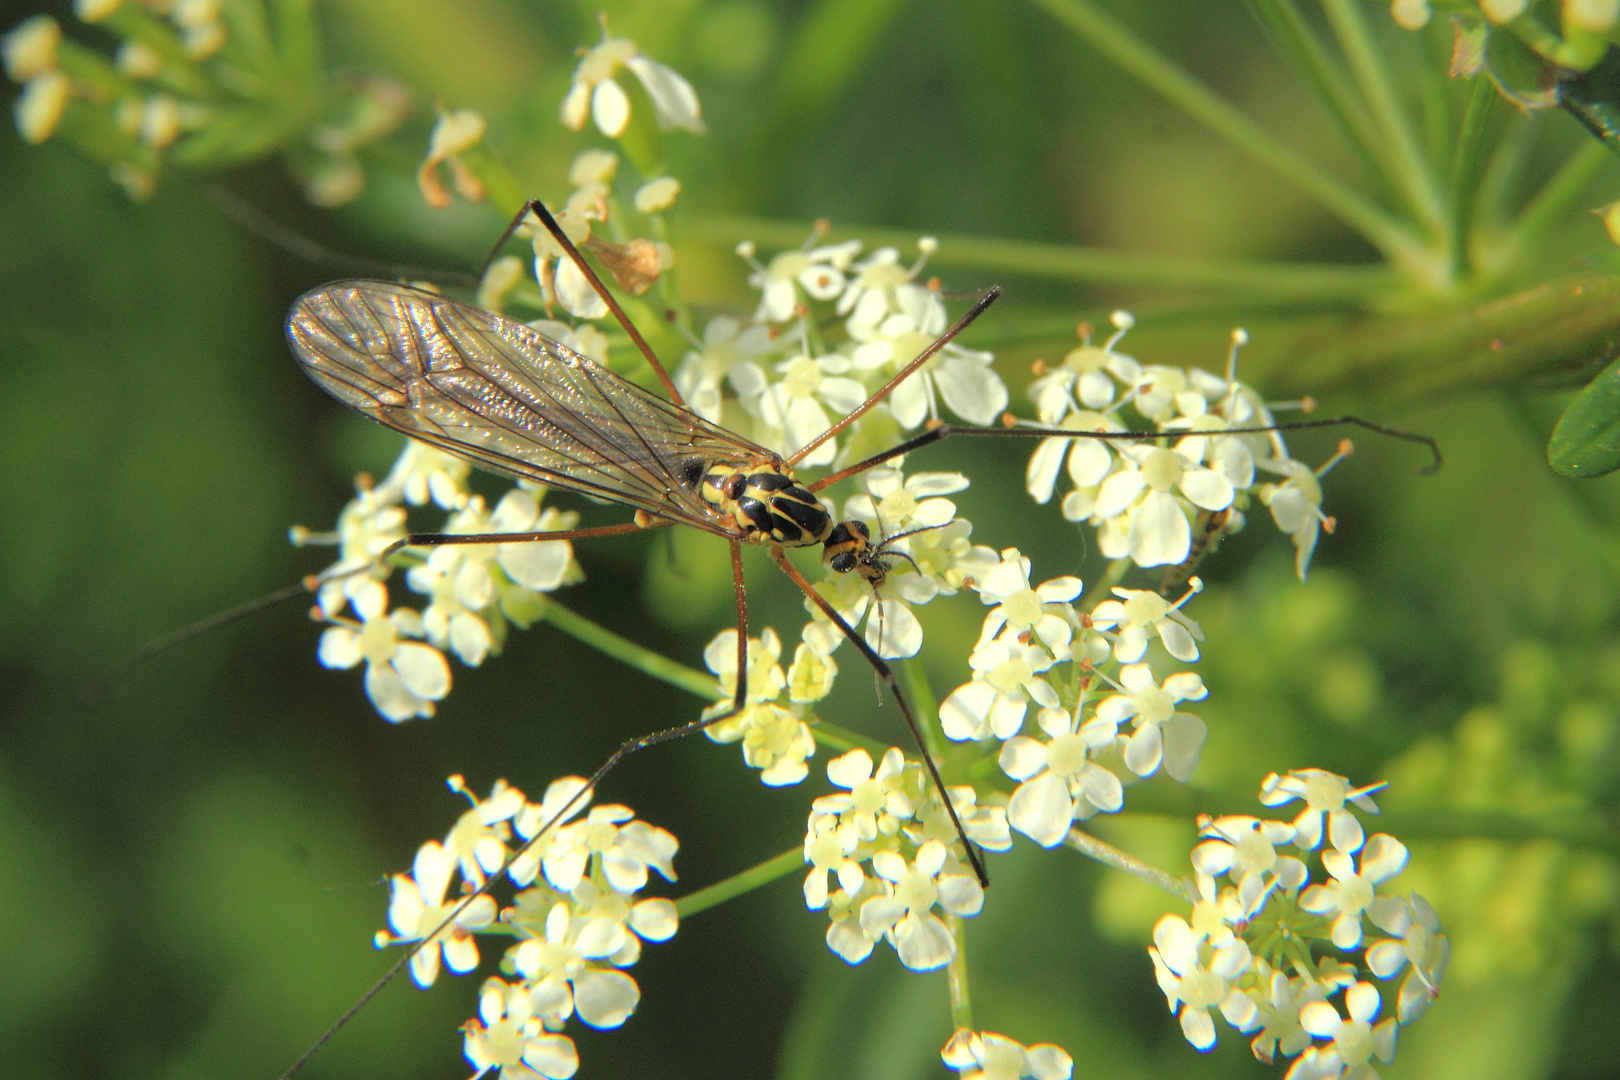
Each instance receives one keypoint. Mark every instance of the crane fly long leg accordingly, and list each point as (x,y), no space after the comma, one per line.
(886,673)
(447,539)
(626,748)
(923,357)
(557,234)
(944,431)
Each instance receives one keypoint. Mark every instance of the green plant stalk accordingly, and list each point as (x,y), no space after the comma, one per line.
(1467,166)
(1109,855)
(1292,36)
(956,978)
(1556,196)
(629,653)
(738,884)
(843,740)
(1417,178)
(1111,37)
(924,706)
(1286,281)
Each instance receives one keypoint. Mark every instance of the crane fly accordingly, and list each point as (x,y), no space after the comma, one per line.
(515,402)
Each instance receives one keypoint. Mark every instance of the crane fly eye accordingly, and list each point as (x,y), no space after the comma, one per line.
(843,562)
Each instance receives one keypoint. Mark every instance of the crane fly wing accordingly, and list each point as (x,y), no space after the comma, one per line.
(509,398)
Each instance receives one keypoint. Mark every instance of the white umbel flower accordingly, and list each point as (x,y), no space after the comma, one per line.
(1415,940)
(1197,977)
(986,1055)
(403,678)
(1325,795)
(905,914)
(1355,1040)
(593,93)
(1163,735)
(1059,781)
(1137,612)
(1145,493)
(1351,892)
(508,1038)
(418,912)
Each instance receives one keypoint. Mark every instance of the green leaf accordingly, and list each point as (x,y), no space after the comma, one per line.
(1586,442)
(1525,76)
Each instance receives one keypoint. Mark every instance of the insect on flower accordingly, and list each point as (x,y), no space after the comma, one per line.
(513,401)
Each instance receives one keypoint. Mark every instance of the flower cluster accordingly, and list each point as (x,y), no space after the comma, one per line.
(576,917)
(183,90)
(1577,16)
(475,591)
(1165,505)
(884,855)
(1269,949)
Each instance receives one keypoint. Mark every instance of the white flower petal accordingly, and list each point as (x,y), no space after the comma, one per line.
(610,108)
(605,999)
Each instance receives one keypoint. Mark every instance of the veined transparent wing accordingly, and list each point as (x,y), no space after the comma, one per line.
(511,399)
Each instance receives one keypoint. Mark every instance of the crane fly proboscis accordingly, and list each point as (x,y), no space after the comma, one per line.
(515,402)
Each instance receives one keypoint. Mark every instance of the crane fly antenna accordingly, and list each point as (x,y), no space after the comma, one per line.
(945,431)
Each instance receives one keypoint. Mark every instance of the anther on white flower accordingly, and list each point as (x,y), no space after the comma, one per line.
(1144,493)
(403,678)
(1246,849)
(794,411)
(1137,611)
(1354,1041)
(1059,781)
(1006,678)
(1324,795)
(903,914)
(775,739)
(1350,893)
(29,48)
(986,1055)
(453,135)
(1082,382)
(1415,939)
(819,271)
(594,93)
(417,909)
(657,195)
(970,387)
(1163,735)
(40,106)
(1197,976)
(1296,504)
(509,1038)
(727,353)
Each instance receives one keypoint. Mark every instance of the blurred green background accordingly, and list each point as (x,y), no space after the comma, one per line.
(191,868)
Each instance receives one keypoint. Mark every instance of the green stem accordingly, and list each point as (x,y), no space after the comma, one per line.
(1116,41)
(1068,262)
(956,977)
(747,881)
(1292,36)
(1417,180)
(1556,196)
(924,706)
(628,652)
(1467,162)
(1108,855)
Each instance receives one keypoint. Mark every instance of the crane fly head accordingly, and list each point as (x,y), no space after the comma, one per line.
(766,504)
(849,547)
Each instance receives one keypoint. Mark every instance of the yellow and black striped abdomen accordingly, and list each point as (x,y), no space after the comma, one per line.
(767,505)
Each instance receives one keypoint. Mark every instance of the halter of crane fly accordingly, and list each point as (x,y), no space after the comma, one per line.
(1074,695)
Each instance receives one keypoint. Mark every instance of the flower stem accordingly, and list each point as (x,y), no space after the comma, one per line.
(1417,180)
(841,739)
(1557,195)
(956,977)
(1067,262)
(1114,40)
(747,881)
(628,652)
(1108,855)
(1467,165)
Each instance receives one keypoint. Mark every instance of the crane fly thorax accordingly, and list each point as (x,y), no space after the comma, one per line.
(766,504)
